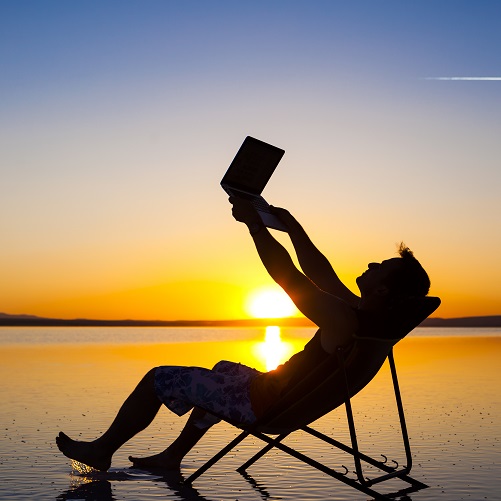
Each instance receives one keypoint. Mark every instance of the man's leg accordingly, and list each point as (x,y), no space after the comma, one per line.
(171,458)
(136,413)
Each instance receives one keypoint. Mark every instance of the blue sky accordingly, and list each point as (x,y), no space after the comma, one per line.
(116,115)
(95,41)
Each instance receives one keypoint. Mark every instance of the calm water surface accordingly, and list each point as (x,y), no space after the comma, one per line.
(74,379)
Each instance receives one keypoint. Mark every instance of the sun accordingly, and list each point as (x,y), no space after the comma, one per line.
(270,303)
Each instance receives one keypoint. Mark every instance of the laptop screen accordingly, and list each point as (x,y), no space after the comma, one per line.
(252,166)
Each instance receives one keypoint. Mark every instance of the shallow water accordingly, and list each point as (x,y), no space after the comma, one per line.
(450,388)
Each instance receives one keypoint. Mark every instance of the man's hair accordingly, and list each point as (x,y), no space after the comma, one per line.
(410,279)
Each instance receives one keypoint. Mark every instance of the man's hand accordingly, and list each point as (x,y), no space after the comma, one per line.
(283,214)
(243,211)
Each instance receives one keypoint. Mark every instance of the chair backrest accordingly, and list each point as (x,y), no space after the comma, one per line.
(324,388)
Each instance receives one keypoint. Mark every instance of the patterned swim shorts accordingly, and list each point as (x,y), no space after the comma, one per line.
(225,390)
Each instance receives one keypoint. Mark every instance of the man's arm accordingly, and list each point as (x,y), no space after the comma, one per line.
(313,263)
(324,309)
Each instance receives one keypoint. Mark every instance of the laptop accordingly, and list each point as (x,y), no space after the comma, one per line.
(248,174)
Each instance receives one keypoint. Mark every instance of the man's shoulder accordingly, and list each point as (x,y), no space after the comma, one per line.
(375,324)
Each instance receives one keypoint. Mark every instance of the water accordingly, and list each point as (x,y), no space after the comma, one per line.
(74,379)
(141,335)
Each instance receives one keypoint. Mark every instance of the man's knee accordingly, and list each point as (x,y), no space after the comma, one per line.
(149,377)
(221,366)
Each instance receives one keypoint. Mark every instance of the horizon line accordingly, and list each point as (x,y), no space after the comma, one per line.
(33,320)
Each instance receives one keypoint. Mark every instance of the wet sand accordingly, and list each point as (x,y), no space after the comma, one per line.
(450,388)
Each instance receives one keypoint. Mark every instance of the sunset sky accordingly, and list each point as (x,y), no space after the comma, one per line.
(119,118)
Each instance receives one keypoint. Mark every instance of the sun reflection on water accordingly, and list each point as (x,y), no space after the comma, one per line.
(273,351)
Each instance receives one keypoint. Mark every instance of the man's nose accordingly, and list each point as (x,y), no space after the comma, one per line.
(373,265)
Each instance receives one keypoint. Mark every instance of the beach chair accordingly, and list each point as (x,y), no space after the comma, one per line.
(341,376)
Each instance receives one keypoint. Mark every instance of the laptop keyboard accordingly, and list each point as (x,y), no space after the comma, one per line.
(260,204)
(257,201)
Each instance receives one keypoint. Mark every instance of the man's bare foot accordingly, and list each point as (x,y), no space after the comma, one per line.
(83,452)
(162,461)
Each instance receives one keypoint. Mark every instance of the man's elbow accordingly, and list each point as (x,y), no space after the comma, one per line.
(292,283)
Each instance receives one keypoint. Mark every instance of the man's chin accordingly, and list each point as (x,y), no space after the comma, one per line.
(360,282)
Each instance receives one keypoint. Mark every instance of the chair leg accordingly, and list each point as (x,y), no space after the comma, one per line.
(346,448)
(216,457)
(401,414)
(261,453)
(319,466)
(351,421)
(390,472)
(342,476)
(403,472)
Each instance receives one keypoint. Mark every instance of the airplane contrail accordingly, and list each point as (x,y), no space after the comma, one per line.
(482,79)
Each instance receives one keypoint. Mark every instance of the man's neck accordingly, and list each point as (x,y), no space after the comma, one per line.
(373,303)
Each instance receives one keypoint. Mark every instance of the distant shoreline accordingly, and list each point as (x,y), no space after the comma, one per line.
(34,321)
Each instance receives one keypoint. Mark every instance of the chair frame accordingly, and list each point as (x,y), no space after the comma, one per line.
(361,483)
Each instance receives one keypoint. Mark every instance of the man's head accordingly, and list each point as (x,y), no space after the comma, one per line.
(395,279)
